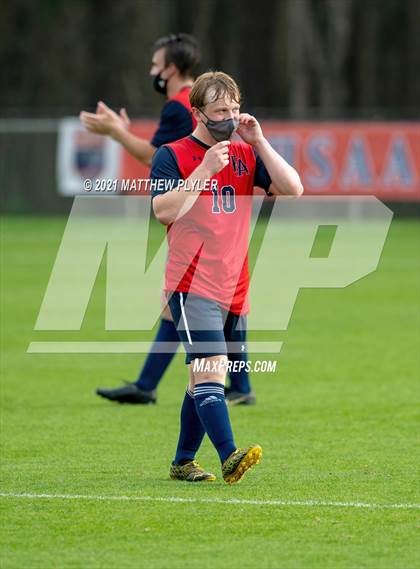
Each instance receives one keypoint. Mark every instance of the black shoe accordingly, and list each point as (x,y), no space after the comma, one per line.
(238,398)
(128,393)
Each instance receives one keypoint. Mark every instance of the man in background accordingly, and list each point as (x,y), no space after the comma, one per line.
(174,60)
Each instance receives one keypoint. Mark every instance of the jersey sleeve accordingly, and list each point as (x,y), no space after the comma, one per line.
(261,176)
(164,167)
(175,123)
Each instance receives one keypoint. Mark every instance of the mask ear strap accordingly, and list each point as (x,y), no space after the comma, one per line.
(203,113)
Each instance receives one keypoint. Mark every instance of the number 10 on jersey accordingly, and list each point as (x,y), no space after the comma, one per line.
(223,200)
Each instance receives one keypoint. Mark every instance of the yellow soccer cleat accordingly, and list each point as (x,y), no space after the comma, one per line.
(190,472)
(241,460)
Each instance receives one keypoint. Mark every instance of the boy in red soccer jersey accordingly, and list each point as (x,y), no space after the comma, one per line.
(208,215)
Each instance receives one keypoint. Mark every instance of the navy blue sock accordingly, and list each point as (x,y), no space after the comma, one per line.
(239,380)
(157,362)
(192,431)
(212,409)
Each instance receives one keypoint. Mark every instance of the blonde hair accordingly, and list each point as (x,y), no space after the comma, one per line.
(218,83)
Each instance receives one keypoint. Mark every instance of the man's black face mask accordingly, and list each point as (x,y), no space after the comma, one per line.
(160,85)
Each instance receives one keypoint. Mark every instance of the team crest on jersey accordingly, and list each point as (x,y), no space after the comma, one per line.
(239,166)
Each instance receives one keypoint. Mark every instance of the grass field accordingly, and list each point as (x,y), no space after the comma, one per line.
(338,424)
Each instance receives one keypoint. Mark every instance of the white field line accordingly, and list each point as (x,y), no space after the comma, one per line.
(234,501)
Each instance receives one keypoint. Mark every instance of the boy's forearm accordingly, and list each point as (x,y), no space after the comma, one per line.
(284,178)
(177,202)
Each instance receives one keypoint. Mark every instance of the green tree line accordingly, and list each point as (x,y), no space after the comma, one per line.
(292,58)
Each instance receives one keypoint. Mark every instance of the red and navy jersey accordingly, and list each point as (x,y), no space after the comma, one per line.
(208,246)
(176,120)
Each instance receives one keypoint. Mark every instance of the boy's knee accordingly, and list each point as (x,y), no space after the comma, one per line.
(210,369)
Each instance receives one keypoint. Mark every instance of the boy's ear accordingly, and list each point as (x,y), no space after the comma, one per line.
(196,114)
(169,70)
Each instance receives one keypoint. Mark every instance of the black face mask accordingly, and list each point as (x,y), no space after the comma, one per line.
(221,130)
(160,85)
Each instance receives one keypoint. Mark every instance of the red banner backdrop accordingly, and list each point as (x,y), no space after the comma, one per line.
(358,158)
